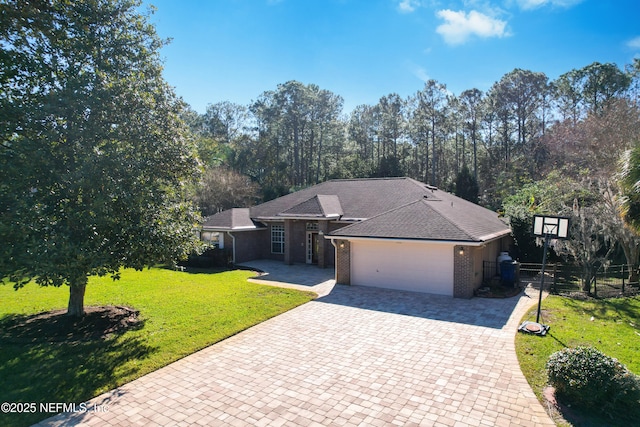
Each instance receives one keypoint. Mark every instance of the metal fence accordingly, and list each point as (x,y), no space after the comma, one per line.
(562,279)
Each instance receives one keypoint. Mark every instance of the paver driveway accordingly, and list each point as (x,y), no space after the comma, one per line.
(358,356)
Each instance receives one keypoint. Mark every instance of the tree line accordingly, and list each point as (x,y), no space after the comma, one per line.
(482,145)
(529,145)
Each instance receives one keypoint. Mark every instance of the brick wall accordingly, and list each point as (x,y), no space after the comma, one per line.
(463,273)
(343,262)
(250,245)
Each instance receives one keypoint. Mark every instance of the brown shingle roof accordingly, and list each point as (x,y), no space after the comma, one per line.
(479,223)
(384,208)
(359,198)
(319,206)
(231,219)
(431,220)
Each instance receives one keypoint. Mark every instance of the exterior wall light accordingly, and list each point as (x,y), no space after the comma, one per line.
(461,251)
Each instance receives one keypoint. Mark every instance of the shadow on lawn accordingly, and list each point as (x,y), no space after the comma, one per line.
(201,270)
(40,366)
(625,308)
(621,416)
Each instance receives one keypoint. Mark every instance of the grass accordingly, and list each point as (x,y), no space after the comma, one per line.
(612,326)
(181,313)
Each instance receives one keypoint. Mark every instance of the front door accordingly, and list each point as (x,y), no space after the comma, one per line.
(312,247)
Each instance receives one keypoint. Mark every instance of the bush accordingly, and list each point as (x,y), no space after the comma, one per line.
(585,377)
(210,258)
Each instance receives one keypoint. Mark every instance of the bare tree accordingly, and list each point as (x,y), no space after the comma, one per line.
(222,188)
(589,246)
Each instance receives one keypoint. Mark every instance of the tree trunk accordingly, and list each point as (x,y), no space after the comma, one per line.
(76,297)
(587,278)
(633,275)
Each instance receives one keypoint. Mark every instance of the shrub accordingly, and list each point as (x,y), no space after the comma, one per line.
(585,377)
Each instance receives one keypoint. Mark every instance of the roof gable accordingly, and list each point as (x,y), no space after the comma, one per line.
(318,206)
(231,219)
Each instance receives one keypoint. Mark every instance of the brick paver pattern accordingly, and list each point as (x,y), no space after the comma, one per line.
(356,357)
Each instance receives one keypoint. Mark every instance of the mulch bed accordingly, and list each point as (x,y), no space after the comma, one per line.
(498,291)
(55,326)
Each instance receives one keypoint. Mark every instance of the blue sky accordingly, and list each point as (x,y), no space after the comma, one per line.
(233,50)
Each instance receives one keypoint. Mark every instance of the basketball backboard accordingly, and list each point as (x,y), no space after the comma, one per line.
(556,227)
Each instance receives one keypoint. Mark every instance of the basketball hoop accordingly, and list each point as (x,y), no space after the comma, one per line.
(549,227)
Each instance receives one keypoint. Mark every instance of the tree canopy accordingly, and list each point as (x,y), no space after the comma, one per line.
(296,135)
(93,158)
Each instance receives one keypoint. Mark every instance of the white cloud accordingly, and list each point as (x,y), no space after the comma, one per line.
(531,4)
(534,4)
(634,43)
(460,26)
(421,73)
(408,6)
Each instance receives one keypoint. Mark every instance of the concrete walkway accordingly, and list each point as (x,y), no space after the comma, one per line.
(299,276)
(357,356)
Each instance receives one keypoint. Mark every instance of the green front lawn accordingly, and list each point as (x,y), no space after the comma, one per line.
(612,326)
(181,313)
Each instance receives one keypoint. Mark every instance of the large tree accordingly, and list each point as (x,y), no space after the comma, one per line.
(93,157)
(297,128)
(589,89)
(472,102)
(430,109)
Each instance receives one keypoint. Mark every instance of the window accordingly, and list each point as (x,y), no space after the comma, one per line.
(277,239)
(212,238)
(312,226)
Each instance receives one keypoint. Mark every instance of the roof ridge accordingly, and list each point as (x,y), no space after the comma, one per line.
(398,207)
(307,200)
(447,218)
(461,225)
(423,185)
(369,179)
(317,197)
(385,213)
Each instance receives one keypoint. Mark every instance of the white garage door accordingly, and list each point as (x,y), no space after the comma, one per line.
(409,266)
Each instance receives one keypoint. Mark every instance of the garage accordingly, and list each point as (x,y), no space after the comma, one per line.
(405,265)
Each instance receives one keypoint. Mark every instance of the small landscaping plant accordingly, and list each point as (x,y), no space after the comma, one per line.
(587,378)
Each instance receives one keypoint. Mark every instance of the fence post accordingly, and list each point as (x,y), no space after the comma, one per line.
(623,279)
(555,280)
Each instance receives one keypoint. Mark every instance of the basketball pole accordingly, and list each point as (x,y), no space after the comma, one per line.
(547,237)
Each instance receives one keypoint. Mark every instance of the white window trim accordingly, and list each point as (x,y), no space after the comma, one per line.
(277,238)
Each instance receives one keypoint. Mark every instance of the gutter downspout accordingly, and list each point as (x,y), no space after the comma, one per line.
(233,243)
(335,268)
